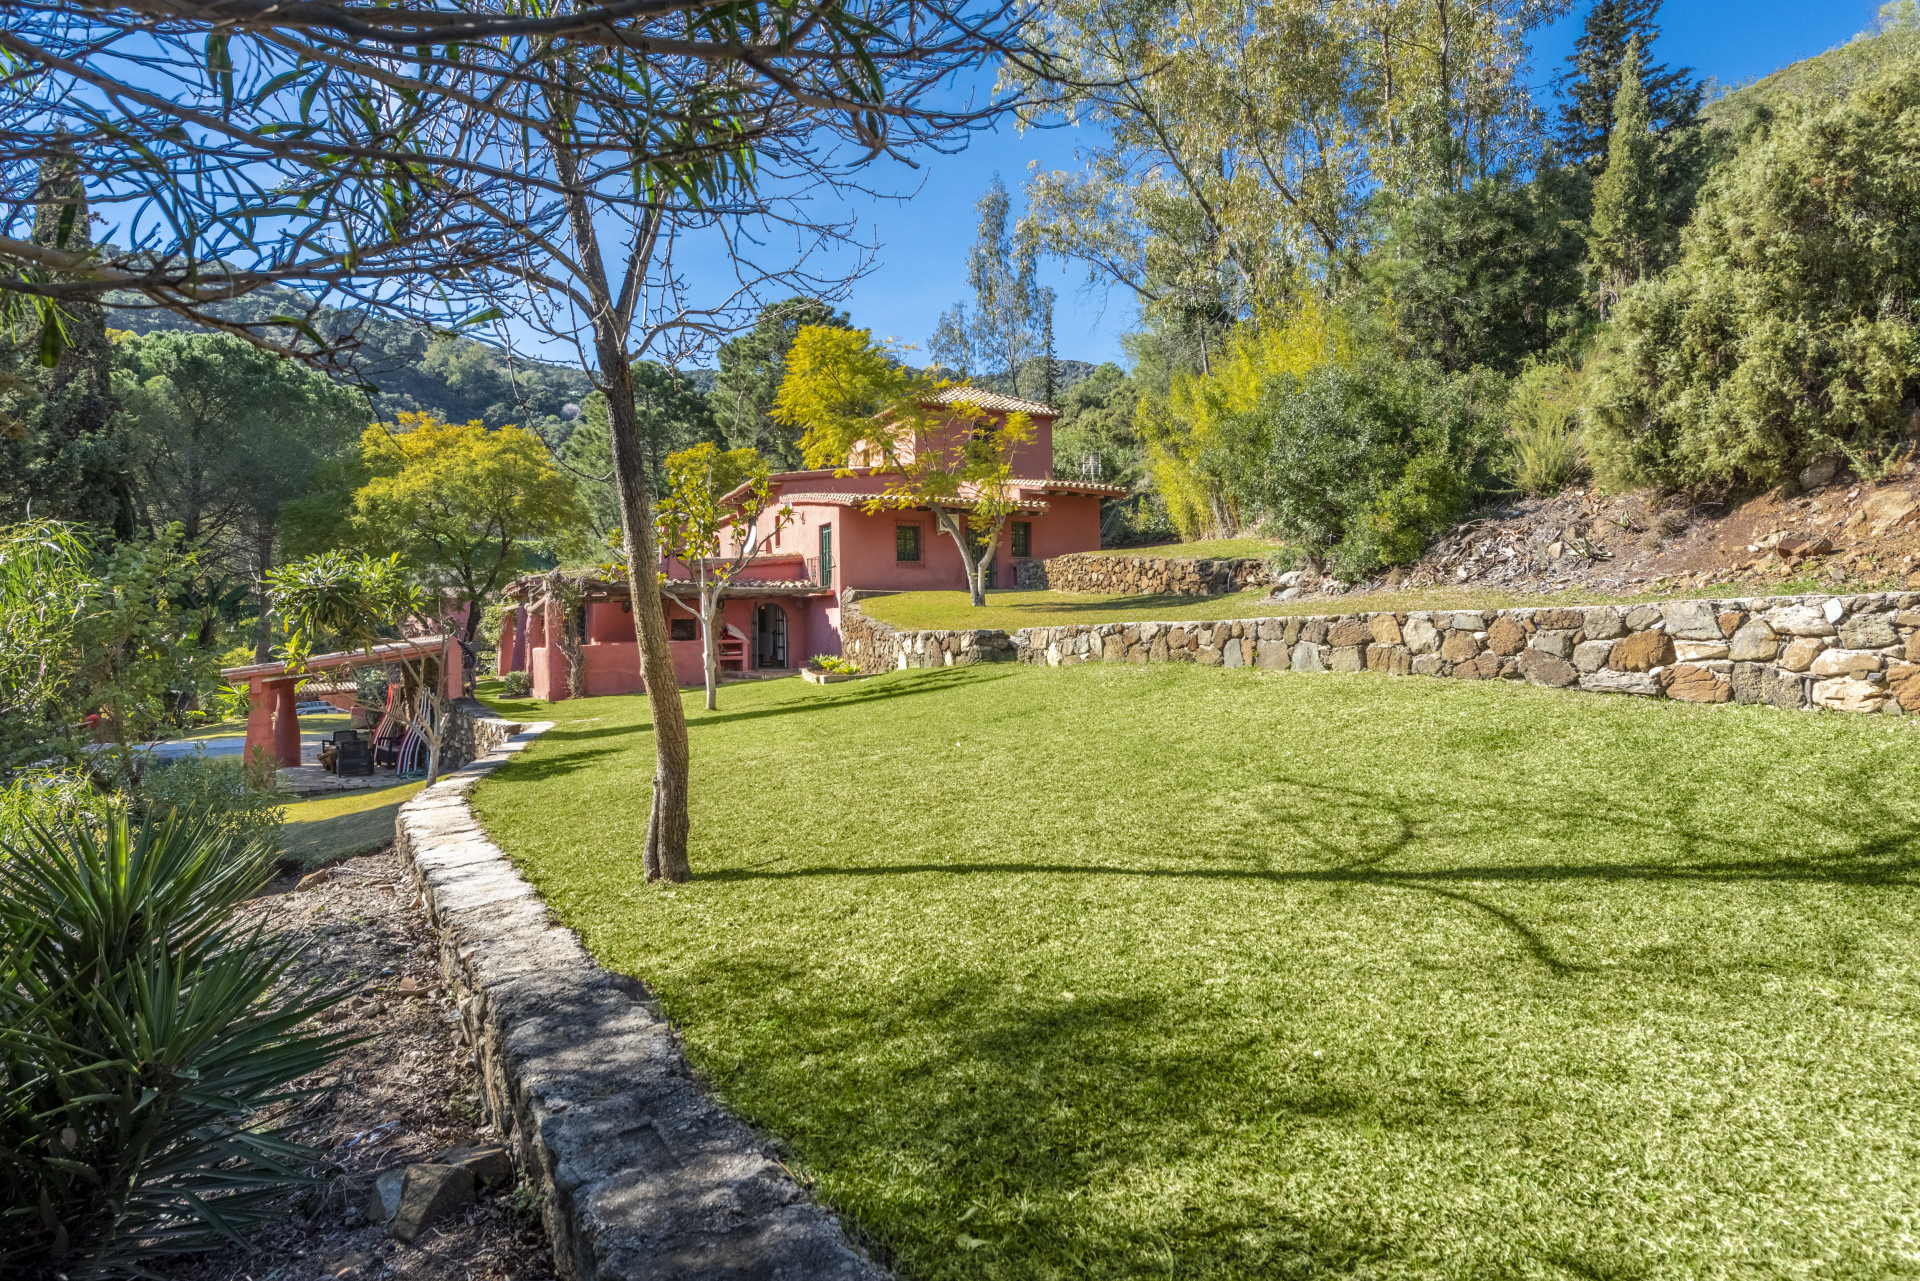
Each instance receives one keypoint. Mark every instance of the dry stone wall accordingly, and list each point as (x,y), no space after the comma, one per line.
(473,730)
(1141,575)
(1848,653)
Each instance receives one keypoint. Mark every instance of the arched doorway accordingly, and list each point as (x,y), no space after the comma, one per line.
(769,636)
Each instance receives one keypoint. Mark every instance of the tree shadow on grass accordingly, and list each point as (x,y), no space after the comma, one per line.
(1029,1110)
(905,684)
(918,681)
(524,768)
(1369,831)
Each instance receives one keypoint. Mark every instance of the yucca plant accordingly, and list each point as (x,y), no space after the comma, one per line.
(147,1043)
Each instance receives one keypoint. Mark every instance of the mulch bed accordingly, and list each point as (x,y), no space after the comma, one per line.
(407,1092)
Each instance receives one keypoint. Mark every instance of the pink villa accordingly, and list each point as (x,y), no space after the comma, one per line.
(785,605)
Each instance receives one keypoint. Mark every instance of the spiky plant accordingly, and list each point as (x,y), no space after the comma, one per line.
(148,1040)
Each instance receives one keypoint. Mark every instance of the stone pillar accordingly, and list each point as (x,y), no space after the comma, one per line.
(260,696)
(520,621)
(286,724)
(509,651)
(452,668)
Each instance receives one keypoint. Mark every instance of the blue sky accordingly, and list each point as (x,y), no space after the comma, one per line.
(924,240)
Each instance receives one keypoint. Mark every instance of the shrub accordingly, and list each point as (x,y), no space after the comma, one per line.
(830,663)
(216,789)
(1787,330)
(1204,436)
(1544,451)
(516,685)
(146,1040)
(54,796)
(1362,465)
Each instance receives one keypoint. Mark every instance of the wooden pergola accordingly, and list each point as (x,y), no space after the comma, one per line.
(272,723)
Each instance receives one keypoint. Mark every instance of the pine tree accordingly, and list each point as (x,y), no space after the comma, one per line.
(66,458)
(1628,229)
(1588,90)
(751,367)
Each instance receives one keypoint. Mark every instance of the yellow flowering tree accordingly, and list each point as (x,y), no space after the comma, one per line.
(856,405)
(694,518)
(461,504)
(1194,434)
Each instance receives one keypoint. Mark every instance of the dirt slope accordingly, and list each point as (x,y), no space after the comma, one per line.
(1843,532)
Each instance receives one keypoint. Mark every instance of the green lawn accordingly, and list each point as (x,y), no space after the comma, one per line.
(1011,610)
(326,828)
(1160,971)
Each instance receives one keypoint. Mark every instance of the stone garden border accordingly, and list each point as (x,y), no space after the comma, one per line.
(641,1175)
(1858,653)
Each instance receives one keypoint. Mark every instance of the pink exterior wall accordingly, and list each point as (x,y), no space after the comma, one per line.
(863,557)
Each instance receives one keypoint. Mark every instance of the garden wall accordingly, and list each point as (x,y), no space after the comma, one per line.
(473,730)
(1850,653)
(1141,575)
(639,1173)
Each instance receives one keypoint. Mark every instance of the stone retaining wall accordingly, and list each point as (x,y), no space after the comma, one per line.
(640,1174)
(1850,653)
(473,730)
(1141,575)
(875,647)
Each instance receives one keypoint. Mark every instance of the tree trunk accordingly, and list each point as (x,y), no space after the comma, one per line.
(263,562)
(976,569)
(710,643)
(666,850)
(433,730)
(668,824)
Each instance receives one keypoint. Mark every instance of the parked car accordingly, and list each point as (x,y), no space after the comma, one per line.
(314,707)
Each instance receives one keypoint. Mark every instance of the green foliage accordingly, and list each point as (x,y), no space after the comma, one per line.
(1095,437)
(1202,437)
(1786,329)
(84,631)
(146,1043)
(226,433)
(1836,73)
(51,796)
(1627,236)
(345,598)
(216,791)
(752,368)
(1486,275)
(462,504)
(1362,464)
(1543,429)
(1591,85)
(835,664)
(516,685)
(413,369)
(672,415)
(62,454)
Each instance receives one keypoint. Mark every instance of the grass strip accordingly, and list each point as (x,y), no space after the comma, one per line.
(324,829)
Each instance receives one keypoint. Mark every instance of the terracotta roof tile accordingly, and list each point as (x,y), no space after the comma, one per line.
(992,401)
(1059,486)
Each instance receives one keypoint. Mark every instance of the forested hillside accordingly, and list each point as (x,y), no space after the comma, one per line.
(457,378)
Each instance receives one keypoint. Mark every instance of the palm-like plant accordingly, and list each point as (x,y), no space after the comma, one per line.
(147,1043)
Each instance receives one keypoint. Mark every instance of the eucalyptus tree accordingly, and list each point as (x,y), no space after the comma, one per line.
(1242,140)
